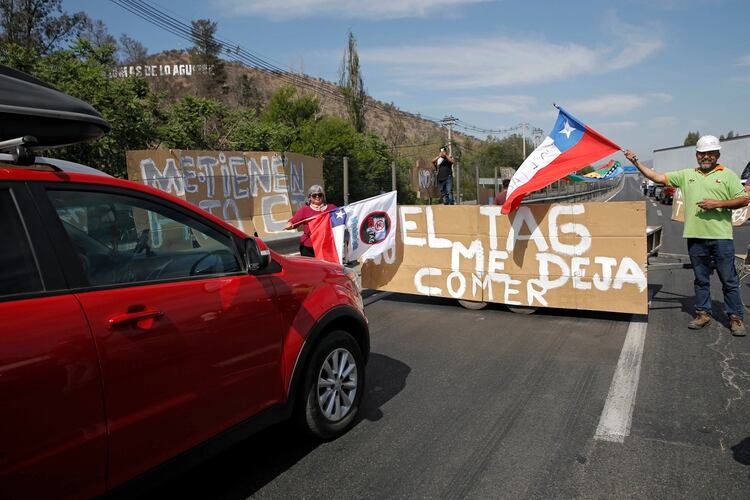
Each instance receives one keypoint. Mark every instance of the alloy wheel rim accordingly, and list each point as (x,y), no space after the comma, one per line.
(337,384)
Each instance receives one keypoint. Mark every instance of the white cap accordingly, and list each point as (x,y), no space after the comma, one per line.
(707,143)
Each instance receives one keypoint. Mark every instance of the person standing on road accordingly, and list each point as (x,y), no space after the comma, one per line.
(315,204)
(444,166)
(502,194)
(710,192)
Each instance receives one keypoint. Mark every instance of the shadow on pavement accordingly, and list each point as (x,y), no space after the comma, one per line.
(741,451)
(248,466)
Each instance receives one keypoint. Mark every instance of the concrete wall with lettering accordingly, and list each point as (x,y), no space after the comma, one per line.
(256,192)
(575,256)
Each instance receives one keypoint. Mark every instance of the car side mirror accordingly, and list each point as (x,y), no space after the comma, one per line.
(257,255)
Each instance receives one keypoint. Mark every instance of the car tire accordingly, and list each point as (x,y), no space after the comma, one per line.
(332,387)
(521,309)
(474,305)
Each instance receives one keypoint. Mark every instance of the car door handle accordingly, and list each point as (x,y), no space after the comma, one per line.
(135,317)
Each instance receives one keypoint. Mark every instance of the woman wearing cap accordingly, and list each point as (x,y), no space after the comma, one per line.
(315,204)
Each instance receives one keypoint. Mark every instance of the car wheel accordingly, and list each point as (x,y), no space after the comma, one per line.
(474,305)
(332,387)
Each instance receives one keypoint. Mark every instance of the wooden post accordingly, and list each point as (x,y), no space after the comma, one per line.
(346,180)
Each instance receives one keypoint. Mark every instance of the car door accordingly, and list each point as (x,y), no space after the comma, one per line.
(189,342)
(52,425)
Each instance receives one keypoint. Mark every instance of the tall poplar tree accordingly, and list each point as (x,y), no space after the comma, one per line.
(352,85)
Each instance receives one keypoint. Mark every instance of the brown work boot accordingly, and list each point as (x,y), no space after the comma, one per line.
(701,319)
(736,326)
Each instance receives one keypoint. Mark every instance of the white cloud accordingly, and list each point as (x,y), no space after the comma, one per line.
(638,42)
(382,9)
(500,61)
(661,122)
(661,96)
(611,104)
(490,62)
(744,60)
(627,124)
(615,104)
(517,104)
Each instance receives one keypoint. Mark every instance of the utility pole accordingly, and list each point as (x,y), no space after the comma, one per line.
(523,138)
(448,122)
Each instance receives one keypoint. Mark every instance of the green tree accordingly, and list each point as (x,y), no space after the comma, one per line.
(212,77)
(127,104)
(248,95)
(194,123)
(246,132)
(30,29)
(352,85)
(287,108)
(691,139)
(369,159)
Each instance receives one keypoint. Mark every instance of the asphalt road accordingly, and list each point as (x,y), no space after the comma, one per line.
(491,404)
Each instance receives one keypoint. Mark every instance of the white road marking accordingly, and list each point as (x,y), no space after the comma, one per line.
(658,212)
(617,416)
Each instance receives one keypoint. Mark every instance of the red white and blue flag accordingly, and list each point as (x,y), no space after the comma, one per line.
(570,146)
(327,234)
(371,225)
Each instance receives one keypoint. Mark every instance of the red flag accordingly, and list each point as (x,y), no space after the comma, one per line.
(327,235)
(570,146)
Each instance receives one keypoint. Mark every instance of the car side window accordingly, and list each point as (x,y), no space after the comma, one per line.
(121,239)
(18,270)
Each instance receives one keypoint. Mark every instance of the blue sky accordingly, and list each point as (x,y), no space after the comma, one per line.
(642,72)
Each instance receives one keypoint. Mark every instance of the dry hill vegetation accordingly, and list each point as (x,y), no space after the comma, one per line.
(253,88)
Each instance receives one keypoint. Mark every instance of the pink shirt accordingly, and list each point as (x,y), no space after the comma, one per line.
(304,213)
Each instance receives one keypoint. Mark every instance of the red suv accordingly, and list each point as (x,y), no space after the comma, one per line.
(138,329)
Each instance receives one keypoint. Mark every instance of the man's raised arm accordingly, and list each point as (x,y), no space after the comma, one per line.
(648,173)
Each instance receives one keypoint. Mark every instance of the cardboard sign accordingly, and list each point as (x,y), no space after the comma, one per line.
(255,192)
(739,215)
(424,179)
(575,256)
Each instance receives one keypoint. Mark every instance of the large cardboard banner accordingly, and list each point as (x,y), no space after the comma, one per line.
(739,215)
(576,256)
(255,192)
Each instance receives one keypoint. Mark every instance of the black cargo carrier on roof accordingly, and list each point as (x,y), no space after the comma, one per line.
(31,107)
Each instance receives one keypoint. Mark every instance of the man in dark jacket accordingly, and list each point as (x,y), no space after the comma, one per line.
(444,166)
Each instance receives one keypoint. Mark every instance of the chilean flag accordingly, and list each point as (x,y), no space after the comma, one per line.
(571,145)
(327,235)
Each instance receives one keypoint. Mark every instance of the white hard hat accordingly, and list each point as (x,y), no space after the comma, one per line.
(707,143)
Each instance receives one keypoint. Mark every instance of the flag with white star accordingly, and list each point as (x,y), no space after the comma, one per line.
(570,145)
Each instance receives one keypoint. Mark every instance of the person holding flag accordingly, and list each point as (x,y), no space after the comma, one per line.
(710,192)
(315,205)
(356,232)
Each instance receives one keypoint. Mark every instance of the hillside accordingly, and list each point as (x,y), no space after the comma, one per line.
(251,87)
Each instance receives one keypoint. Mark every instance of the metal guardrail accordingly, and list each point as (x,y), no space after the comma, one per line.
(579,191)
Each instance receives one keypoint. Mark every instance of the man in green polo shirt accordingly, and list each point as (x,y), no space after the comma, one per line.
(709,192)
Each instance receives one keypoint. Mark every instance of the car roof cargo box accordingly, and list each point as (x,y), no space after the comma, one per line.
(31,107)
